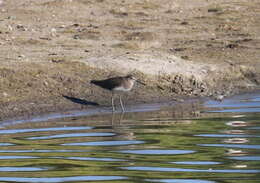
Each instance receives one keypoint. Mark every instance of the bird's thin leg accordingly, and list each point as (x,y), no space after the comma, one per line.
(121,103)
(121,117)
(112,119)
(112,102)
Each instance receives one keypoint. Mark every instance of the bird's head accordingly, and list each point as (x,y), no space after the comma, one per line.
(131,77)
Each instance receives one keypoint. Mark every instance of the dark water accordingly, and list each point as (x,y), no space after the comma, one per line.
(188,143)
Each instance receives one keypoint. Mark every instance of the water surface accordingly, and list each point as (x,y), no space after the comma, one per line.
(196,143)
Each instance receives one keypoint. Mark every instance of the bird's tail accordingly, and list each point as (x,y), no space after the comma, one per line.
(93,81)
(96,82)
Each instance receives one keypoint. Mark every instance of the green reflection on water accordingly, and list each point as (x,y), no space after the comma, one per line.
(159,130)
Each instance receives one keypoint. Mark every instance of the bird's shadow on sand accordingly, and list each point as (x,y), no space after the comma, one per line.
(80,101)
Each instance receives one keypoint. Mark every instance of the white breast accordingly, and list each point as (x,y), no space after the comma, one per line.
(120,88)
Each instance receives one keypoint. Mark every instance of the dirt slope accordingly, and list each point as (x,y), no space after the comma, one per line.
(53,48)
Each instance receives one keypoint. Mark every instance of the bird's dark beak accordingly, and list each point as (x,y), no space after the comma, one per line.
(138,81)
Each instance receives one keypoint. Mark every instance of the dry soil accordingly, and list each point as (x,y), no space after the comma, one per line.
(51,49)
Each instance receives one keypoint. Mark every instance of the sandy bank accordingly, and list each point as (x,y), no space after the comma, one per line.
(51,49)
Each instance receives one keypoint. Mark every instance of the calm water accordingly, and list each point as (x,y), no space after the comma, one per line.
(188,143)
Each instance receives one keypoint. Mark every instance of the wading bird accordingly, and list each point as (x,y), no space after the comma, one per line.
(117,85)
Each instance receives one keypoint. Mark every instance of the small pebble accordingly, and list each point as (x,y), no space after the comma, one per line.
(45,83)
(76,37)
(21,56)
(21,27)
(53,30)
(5,94)
(185,57)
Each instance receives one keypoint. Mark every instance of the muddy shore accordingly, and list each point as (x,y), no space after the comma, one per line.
(51,49)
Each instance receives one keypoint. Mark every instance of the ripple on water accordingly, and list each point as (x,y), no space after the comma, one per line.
(238,116)
(61,179)
(196,162)
(22,169)
(254,128)
(93,159)
(236,140)
(237,123)
(18,157)
(6,144)
(239,110)
(165,169)
(180,181)
(106,143)
(101,134)
(157,151)
(227,135)
(41,151)
(244,146)
(257,99)
(13,131)
(246,158)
